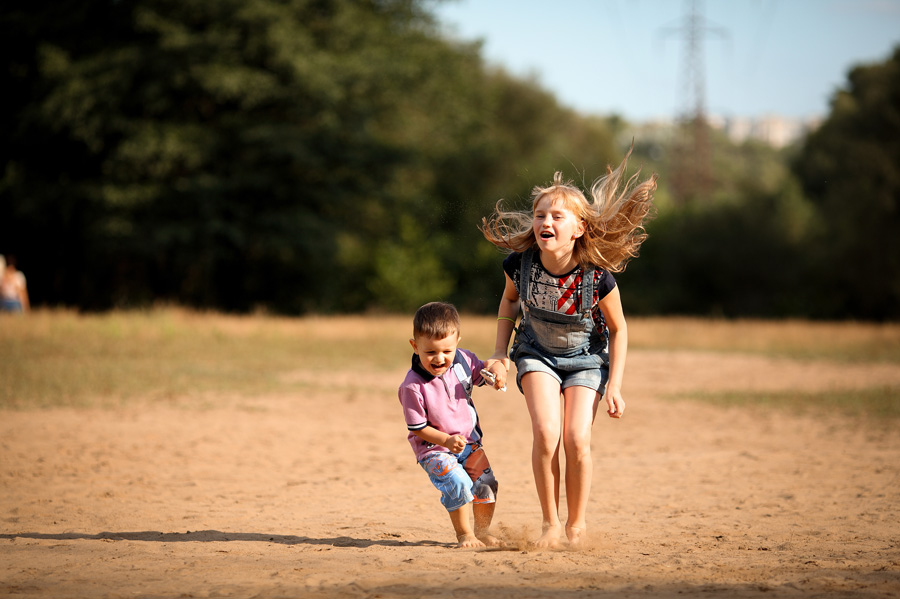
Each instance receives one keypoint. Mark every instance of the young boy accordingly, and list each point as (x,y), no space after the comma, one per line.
(443,425)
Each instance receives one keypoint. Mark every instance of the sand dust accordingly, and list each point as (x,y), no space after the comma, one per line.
(316,494)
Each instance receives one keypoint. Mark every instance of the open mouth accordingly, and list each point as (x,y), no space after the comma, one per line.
(547,235)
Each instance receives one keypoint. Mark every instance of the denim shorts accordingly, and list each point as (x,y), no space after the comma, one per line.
(10,305)
(461,477)
(581,369)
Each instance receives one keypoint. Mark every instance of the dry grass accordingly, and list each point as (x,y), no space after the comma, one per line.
(54,358)
(877,405)
(844,341)
(58,357)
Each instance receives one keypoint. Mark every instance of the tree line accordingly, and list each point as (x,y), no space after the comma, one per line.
(337,156)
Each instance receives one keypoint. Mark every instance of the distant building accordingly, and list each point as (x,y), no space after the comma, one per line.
(777,131)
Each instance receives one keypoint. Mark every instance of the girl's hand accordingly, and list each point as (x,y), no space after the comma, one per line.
(500,369)
(498,357)
(615,403)
(455,443)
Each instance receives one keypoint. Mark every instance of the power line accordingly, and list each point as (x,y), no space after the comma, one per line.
(691,176)
(693,27)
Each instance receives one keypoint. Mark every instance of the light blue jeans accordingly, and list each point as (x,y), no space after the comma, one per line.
(461,477)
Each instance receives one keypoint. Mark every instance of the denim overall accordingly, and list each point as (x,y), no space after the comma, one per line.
(567,343)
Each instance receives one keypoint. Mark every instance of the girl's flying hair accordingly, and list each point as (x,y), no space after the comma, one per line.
(613,219)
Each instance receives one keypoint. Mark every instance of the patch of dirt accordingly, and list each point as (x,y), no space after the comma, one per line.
(317,494)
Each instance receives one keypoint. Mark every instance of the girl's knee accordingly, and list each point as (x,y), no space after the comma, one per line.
(577,446)
(546,444)
(545,433)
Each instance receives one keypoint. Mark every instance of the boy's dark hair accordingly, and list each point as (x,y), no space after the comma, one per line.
(436,320)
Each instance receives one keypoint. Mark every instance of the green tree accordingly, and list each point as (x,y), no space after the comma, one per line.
(850,169)
(213,151)
(740,249)
(293,154)
(737,258)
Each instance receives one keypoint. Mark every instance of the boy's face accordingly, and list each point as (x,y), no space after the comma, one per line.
(436,355)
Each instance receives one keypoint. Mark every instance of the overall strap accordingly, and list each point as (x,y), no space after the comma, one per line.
(587,289)
(525,274)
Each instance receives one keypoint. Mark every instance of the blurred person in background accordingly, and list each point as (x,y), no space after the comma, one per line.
(13,288)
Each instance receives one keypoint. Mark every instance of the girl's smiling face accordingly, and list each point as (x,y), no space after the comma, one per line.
(555,225)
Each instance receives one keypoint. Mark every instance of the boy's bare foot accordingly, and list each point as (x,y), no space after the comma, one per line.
(576,536)
(549,538)
(468,541)
(490,540)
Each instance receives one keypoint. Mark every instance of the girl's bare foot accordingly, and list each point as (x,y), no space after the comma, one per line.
(549,538)
(468,541)
(490,540)
(576,536)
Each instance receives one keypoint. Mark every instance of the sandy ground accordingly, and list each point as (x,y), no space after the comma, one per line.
(316,494)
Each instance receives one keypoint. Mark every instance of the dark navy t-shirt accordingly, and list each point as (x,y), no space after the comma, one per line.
(560,293)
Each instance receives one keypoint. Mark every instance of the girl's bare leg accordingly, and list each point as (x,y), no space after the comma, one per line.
(580,407)
(542,396)
(461,520)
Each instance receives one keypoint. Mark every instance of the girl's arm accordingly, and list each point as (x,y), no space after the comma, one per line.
(23,297)
(611,305)
(506,322)
(455,443)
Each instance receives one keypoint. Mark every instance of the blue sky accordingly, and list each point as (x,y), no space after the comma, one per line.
(760,57)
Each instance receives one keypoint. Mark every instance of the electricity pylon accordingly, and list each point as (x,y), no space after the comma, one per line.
(691,173)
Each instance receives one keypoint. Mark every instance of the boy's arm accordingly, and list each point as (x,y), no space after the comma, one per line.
(414,412)
(455,443)
(480,373)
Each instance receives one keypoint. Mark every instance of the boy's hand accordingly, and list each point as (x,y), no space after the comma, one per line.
(455,443)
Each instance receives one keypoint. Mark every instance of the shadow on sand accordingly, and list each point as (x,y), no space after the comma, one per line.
(215,536)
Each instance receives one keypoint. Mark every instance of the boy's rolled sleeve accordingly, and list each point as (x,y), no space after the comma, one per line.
(413,409)
(475,366)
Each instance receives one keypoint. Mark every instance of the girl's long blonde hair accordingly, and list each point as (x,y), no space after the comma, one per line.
(613,219)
